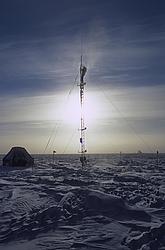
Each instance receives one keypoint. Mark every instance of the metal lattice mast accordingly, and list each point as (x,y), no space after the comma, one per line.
(83,150)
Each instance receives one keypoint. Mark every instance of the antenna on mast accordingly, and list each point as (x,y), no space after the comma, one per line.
(83,150)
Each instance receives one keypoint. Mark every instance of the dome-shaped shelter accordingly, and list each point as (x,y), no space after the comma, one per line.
(18,157)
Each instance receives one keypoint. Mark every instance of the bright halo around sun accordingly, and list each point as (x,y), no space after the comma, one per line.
(72,112)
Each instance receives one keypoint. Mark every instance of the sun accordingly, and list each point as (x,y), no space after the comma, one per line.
(72,112)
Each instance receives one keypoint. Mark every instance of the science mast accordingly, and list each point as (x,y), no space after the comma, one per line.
(83,128)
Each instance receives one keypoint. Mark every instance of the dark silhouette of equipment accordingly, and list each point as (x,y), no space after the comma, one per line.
(83,150)
(18,157)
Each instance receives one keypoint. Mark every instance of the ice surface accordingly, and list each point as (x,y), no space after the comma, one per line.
(110,204)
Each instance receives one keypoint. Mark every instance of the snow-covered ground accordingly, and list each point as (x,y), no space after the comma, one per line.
(112,203)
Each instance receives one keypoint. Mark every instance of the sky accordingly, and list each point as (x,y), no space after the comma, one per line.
(123,47)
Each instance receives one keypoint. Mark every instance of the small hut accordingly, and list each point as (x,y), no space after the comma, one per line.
(18,157)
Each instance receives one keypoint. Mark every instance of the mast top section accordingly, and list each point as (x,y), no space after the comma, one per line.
(83,71)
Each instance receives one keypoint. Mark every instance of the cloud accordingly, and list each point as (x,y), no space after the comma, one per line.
(40,62)
(123,48)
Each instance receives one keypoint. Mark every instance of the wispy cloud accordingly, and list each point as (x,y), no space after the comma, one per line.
(40,48)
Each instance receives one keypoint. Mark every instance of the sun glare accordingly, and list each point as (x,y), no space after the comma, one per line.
(72,112)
